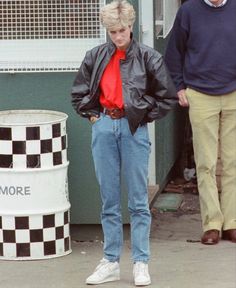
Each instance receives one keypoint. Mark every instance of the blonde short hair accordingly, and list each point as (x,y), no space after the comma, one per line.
(118,14)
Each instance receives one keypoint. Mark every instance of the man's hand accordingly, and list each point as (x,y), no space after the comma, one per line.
(183,101)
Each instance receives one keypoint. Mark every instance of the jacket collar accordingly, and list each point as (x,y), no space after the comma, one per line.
(129,51)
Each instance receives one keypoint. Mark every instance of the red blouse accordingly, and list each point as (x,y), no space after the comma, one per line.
(111,83)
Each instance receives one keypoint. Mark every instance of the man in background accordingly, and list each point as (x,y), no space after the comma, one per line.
(201,58)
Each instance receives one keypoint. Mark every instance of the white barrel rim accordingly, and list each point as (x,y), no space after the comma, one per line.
(61,117)
(34,170)
(5,258)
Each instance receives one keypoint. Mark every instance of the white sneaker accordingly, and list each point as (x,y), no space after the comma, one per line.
(106,271)
(141,274)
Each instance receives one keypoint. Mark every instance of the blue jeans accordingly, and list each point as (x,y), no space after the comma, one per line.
(114,150)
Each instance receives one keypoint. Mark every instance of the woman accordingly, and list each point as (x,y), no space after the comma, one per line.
(121,85)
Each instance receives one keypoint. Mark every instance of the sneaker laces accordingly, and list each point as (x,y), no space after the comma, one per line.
(141,268)
(105,265)
(103,262)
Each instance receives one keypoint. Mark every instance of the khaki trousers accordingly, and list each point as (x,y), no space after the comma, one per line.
(213,120)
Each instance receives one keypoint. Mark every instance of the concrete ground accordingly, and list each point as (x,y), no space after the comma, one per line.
(178,259)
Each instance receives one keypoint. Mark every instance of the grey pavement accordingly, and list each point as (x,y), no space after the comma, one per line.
(178,259)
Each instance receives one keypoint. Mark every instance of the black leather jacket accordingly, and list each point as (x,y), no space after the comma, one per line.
(148,90)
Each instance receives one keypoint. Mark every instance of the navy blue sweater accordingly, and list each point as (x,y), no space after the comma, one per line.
(201,52)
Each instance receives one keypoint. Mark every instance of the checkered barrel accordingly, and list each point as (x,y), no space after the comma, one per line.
(34,202)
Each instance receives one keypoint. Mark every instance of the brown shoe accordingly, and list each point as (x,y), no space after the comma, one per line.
(229,235)
(211,237)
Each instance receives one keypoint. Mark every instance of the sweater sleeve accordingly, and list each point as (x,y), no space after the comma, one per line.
(175,52)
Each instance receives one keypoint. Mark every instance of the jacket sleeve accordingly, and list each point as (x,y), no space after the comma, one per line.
(161,93)
(175,51)
(81,88)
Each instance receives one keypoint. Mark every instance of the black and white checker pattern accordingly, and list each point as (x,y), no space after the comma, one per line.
(34,236)
(39,146)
